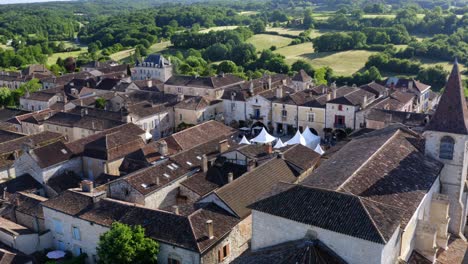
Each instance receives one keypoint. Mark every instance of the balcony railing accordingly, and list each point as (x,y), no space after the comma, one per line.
(336,125)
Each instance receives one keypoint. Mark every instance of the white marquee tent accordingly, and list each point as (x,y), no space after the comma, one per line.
(297,139)
(311,139)
(319,150)
(263,137)
(279,144)
(244,141)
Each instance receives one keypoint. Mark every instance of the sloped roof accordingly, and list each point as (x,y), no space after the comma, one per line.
(212,82)
(197,103)
(302,76)
(248,188)
(51,154)
(387,166)
(451,115)
(339,212)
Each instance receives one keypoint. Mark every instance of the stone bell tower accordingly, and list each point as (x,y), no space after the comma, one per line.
(446,140)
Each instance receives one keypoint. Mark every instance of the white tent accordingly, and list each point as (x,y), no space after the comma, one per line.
(311,139)
(297,139)
(279,144)
(319,150)
(244,141)
(263,137)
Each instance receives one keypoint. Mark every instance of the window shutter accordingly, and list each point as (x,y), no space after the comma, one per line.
(220,258)
(228,250)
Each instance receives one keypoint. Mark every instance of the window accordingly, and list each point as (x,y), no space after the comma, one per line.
(76,233)
(179,90)
(446,148)
(60,245)
(311,117)
(284,113)
(180,116)
(223,253)
(340,108)
(58,226)
(233,106)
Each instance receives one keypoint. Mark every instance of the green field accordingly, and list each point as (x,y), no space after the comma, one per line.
(53,58)
(217,29)
(265,41)
(446,65)
(342,63)
(155,48)
(289,31)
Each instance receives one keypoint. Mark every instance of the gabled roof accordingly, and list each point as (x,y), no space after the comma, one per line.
(24,183)
(51,154)
(197,103)
(213,82)
(251,186)
(302,76)
(451,115)
(335,211)
(387,166)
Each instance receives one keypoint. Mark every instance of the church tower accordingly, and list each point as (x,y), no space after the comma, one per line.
(446,140)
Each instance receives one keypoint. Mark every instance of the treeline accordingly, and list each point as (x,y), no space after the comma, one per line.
(361,40)
(197,40)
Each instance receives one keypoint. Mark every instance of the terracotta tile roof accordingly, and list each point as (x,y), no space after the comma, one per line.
(204,82)
(355,98)
(70,202)
(86,121)
(298,252)
(375,88)
(148,180)
(338,212)
(64,181)
(302,76)
(407,118)
(112,146)
(24,183)
(248,188)
(78,146)
(28,203)
(241,92)
(39,96)
(12,228)
(8,135)
(403,97)
(417,258)
(451,115)
(302,157)
(145,109)
(456,252)
(387,166)
(196,135)
(39,139)
(197,103)
(51,154)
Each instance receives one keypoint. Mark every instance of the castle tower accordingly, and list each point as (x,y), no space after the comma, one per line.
(446,140)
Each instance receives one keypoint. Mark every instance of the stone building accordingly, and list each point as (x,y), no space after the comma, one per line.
(155,66)
(446,136)
(198,109)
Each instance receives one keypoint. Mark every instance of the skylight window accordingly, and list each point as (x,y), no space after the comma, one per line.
(198,157)
(166,175)
(144,185)
(189,163)
(170,167)
(64,151)
(175,165)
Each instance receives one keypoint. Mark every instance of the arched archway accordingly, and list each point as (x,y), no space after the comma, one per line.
(340,134)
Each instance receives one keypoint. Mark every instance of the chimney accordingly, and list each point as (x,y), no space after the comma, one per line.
(175,209)
(87,186)
(28,146)
(410,84)
(81,102)
(251,87)
(364,101)
(333,85)
(149,83)
(279,92)
(329,96)
(180,97)
(93,126)
(204,164)
(334,93)
(157,181)
(280,155)
(209,226)
(269,82)
(162,148)
(250,165)
(268,148)
(4,193)
(223,146)
(230,177)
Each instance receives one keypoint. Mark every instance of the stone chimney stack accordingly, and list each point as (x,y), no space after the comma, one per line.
(149,83)
(268,148)
(209,227)
(180,97)
(251,165)
(4,193)
(251,87)
(162,148)
(223,146)
(269,82)
(279,92)
(230,177)
(87,186)
(204,164)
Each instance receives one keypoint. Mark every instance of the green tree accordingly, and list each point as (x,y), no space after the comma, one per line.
(320,76)
(303,65)
(434,76)
(5,96)
(100,103)
(257,27)
(308,19)
(125,244)
(227,67)
(374,74)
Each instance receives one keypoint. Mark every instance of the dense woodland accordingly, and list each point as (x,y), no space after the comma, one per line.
(31,33)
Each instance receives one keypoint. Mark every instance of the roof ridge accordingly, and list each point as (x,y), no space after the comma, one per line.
(368,160)
(372,219)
